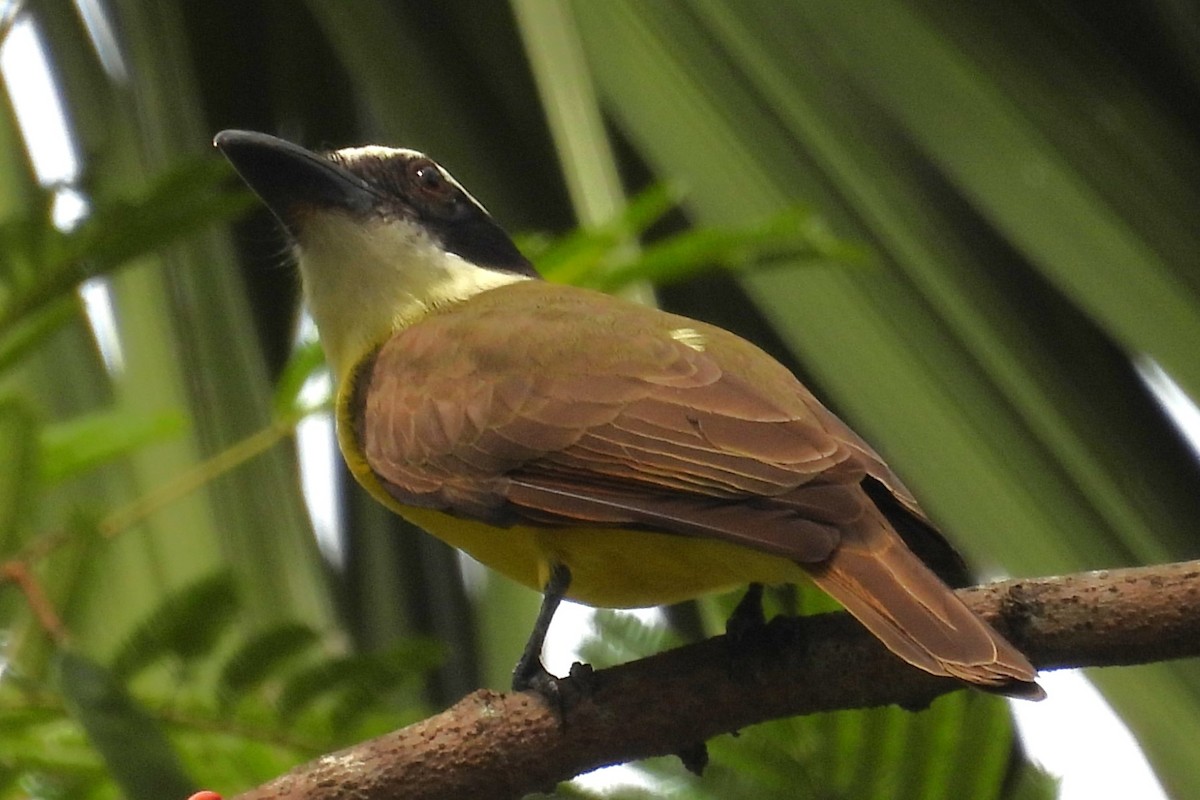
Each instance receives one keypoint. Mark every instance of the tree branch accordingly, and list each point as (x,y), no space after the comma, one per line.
(493,745)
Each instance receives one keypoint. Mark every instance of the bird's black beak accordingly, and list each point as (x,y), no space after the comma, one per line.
(293,181)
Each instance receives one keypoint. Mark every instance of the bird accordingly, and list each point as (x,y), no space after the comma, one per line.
(582,444)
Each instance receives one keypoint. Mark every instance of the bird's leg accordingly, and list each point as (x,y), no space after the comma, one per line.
(529,672)
(746,633)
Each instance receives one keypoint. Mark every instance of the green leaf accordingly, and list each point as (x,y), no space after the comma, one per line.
(791,237)
(186,625)
(18,470)
(305,363)
(600,256)
(1099,249)
(1030,783)
(585,251)
(622,637)
(136,750)
(34,330)
(88,441)
(182,201)
(262,656)
(359,676)
(187,198)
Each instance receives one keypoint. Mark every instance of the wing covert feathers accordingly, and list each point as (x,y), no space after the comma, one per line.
(572,409)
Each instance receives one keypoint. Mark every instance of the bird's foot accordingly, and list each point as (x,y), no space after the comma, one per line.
(694,758)
(537,679)
(562,694)
(530,675)
(748,636)
(747,618)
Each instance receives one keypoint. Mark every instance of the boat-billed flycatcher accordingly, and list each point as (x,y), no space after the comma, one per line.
(583,445)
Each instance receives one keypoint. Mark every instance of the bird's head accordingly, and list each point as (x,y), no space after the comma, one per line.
(383,236)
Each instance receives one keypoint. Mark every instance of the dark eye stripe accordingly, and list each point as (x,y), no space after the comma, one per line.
(419,189)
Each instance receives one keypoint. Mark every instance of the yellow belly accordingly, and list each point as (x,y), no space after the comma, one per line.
(610,567)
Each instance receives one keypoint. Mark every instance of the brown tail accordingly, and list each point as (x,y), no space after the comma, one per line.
(887,588)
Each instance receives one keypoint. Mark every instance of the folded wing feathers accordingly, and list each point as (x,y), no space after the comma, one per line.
(768,527)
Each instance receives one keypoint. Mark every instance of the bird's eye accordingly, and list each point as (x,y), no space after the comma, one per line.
(427,176)
(432,191)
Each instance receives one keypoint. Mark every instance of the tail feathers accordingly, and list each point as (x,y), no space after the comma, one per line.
(915,615)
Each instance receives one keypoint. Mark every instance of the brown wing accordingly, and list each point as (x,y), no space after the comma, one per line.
(508,421)
(573,408)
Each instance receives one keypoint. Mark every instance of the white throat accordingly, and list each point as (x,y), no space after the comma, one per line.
(365,280)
